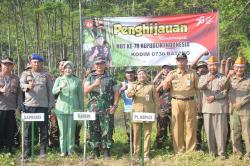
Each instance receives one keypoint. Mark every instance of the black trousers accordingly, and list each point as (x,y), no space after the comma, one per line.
(42,126)
(7,128)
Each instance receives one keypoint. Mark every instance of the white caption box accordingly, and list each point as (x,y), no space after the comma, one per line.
(84,115)
(29,117)
(141,117)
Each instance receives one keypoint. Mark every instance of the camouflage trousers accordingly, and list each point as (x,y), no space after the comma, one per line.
(163,125)
(100,132)
(53,131)
(112,126)
(77,133)
(199,131)
(127,119)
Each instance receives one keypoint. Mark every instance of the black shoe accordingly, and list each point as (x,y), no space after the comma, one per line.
(10,149)
(95,153)
(26,156)
(159,145)
(107,153)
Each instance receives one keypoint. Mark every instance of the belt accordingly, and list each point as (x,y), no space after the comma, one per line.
(186,98)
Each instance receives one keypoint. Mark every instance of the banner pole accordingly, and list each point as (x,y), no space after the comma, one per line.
(81,37)
(84,143)
(142,143)
(130,142)
(32,141)
(22,129)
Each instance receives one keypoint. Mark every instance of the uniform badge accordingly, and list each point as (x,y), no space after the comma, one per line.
(188,82)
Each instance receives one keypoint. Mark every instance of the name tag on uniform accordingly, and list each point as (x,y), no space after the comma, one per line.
(84,115)
(175,83)
(142,117)
(188,82)
(29,117)
(147,97)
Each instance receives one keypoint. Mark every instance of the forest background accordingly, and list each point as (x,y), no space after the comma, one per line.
(52,29)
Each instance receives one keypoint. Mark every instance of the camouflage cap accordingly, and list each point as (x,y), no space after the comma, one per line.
(181,55)
(166,65)
(130,69)
(200,64)
(99,59)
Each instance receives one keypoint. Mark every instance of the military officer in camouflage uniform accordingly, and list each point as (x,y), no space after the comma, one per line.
(100,50)
(164,115)
(239,97)
(100,87)
(201,69)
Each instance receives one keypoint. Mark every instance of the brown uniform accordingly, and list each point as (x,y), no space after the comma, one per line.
(215,113)
(184,111)
(144,100)
(239,93)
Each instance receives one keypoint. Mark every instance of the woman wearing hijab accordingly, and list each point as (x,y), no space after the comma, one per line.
(70,99)
(145,99)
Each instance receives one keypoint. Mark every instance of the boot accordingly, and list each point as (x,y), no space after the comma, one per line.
(27,153)
(107,153)
(10,149)
(95,153)
(43,151)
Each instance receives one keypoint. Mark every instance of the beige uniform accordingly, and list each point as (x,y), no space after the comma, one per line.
(239,92)
(184,110)
(215,113)
(144,100)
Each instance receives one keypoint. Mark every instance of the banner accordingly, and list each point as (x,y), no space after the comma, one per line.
(150,41)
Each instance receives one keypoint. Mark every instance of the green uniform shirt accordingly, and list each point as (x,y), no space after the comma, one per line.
(70,98)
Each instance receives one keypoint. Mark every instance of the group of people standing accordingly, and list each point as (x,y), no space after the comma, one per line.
(183,100)
(36,92)
(207,94)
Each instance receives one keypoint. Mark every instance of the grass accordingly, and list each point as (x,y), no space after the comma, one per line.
(121,156)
